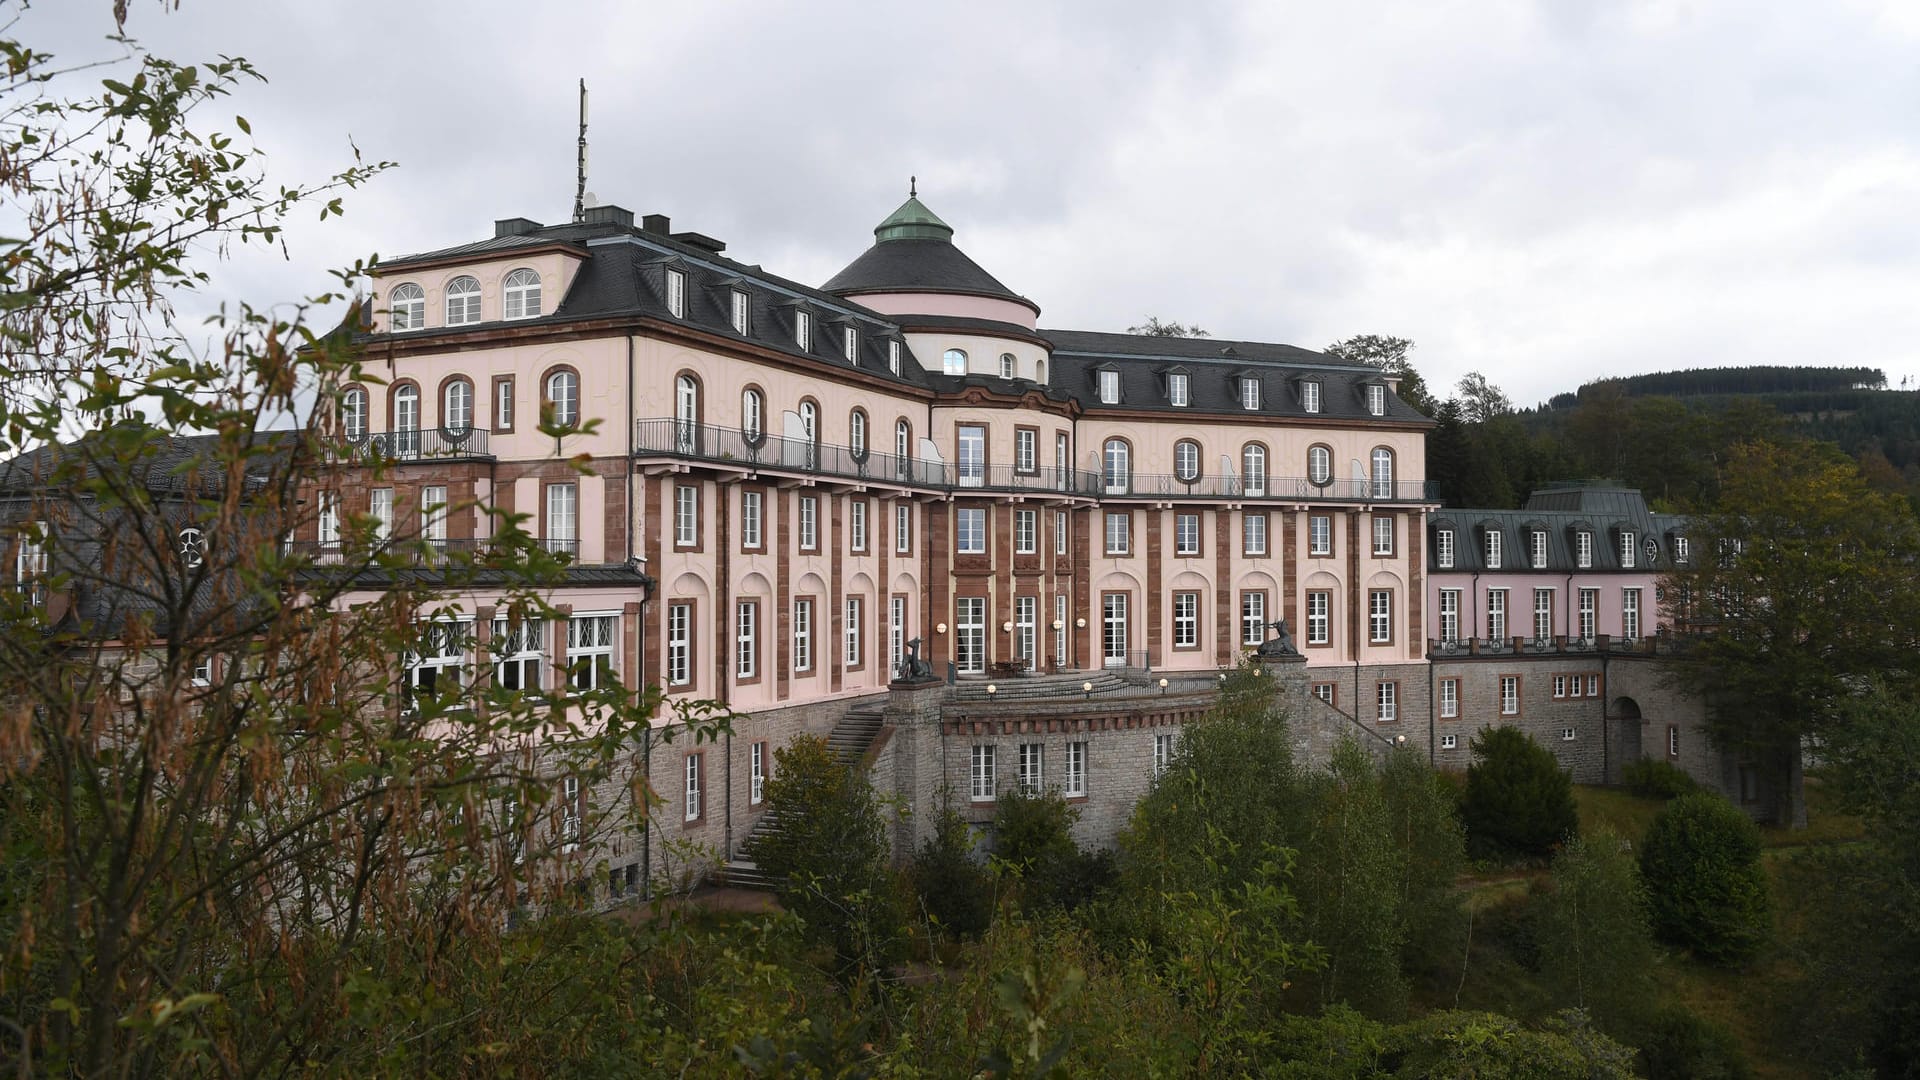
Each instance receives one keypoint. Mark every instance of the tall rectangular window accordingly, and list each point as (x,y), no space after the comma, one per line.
(1033,771)
(1026,451)
(1249,392)
(693,787)
(902,527)
(1680,550)
(1443,548)
(1162,753)
(1380,616)
(970,533)
(1118,537)
(1253,529)
(380,506)
(1382,534)
(1542,614)
(1319,632)
(1059,532)
(970,458)
(757,774)
(739,312)
(1062,475)
(856,616)
(503,405)
(970,634)
(1583,549)
(328,525)
(750,528)
(1113,629)
(1387,696)
(1026,613)
(803,635)
(1186,534)
(1509,695)
(1026,523)
(1493,549)
(679,644)
(1496,615)
(1177,389)
(803,329)
(893,357)
(1377,400)
(1627,550)
(1076,785)
(896,632)
(1310,396)
(1449,616)
(982,789)
(563,525)
(850,344)
(857,524)
(1589,605)
(590,643)
(1060,629)
(677,293)
(1630,614)
(433,514)
(1449,698)
(686,515)
(519,654)
(1560,686)
(1186,620)
(1319,534)
(746,639)
(1253,618)
(1110,388)
(809,522)
(1537,539)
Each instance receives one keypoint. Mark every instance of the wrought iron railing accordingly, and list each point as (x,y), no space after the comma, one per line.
(708,442)
(420,444)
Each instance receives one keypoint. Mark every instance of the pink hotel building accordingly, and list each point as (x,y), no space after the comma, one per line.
(788,484)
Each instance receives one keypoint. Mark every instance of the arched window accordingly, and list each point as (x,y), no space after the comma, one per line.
(857,433)
(954,362)
(522,294)
(686,412)
(1319,466)
(407,307)
(752,409)
(1382,473)
(1006,365)
(1186,461)
(1253,469)
(406,420)
(1116,467)
(456,405)
(1039,371)
(353,414)
(810,431)
(902,448)
(563,391)
(463,301)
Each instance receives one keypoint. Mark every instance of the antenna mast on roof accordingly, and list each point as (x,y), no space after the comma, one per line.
(580,186)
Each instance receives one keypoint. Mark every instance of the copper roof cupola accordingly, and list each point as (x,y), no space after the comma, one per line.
(913,255)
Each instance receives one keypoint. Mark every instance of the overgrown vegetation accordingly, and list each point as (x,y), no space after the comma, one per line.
(1518,802)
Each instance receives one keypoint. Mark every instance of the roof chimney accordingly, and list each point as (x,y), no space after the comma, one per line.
(514,226)
(657,223)
(609,215)
(701,241)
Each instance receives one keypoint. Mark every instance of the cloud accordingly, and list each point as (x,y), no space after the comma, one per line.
(1546,192)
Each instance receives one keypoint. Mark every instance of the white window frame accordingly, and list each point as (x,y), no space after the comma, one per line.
(1186,461)
(1583,549)
(981,779)
(1449,698)
(406,307)
(970,530)
(1376,399)
(1380,616)
(520,294)
(1310,396)
(676,293)
(970,454)
(746,639)
(1443,548)
(1007,365)
(757,774)
(380,508)
(803,329)
(1630,614)
(1320,535)
(1026,614)
(953,362)
(1493,552)
(1382,473)
(893,355)
(857,525)
(433,514)
(1537,548)
(456,405)
(896,632)
(902,528)
(1589,613)
(850,344)
(1319,617)
(740,309)
(693,806)
(1319,466)
(326,527)
(1543,615)
(1509,695)
(1253,532)
(1060,628)
(353,414)
(679,661)
(1026,450)
(1449,742)
(1186,620)
(1496,615)
(1119,532)
(1249,393)
(1382,534)
(854,644)
(503,404)
(593,644)
(1449,616)
(1253,469)
(1387,702)
(802,635)
(1177,390)
(809,522)
(462,301)
(519,655)
(561,529)
(1253,617)
(686,515)
(563,390)
(1061,532)
(1628,552)
(1033,768)
(1116,466)
(752,508)
(1109,387)
(1026,527)
(970,634)
(1186,534)
(1076,779)
(1162,752)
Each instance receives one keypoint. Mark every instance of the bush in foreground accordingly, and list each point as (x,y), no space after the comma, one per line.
(1519,802)
(1706,891)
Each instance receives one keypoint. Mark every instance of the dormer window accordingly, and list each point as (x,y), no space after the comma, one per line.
(407,307)
(1310,396)
(521,293)
(850,344)
(1627,550)
(1493,549)
(463,301)
(1376,399)
(1177,389)
(30,553)
(803,330)
(1537,541)
(1680,550)
(893,356)
(677,293)
(1443,548)
(1006,365)
(1249,392)
(1109,387)
(954,362)
(740,312)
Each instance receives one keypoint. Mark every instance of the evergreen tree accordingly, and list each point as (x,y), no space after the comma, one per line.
(1706,890)
(1518,800)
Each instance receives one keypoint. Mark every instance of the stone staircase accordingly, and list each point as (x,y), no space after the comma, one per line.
(849,742)
(1069,684)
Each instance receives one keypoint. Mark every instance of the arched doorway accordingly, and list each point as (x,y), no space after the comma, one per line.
(1623,716)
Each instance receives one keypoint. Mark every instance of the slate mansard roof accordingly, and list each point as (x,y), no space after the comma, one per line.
(623,268)
(1562,512)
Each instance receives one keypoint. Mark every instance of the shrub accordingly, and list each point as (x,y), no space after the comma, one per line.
(1700,862)
(953,887)
(1033,836)
(1653,779)
(1595,949)
(1518,800)
(1677,1045)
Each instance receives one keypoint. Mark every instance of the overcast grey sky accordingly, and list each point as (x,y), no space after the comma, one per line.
(1546,192)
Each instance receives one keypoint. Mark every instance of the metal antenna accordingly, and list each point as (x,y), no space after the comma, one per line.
(580,187)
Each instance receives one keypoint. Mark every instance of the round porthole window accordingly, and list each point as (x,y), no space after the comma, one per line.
(193,548)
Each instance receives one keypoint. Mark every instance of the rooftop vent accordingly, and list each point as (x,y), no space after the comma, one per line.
(609,215)
(514,226)
(657,223)
(701,241)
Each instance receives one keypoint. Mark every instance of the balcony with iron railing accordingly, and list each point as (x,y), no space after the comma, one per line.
(1658,643)
(419,444)
(732,446)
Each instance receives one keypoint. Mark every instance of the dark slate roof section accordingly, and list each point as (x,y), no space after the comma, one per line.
(574,576)
(1214,374)
(176,463)
(920,266)
(965,325)
(1563,512)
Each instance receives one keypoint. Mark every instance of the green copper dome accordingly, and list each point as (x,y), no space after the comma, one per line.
(913,221)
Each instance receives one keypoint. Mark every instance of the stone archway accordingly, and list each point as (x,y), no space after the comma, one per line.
(1623,716)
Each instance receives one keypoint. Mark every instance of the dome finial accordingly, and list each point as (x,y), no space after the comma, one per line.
(913,187)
